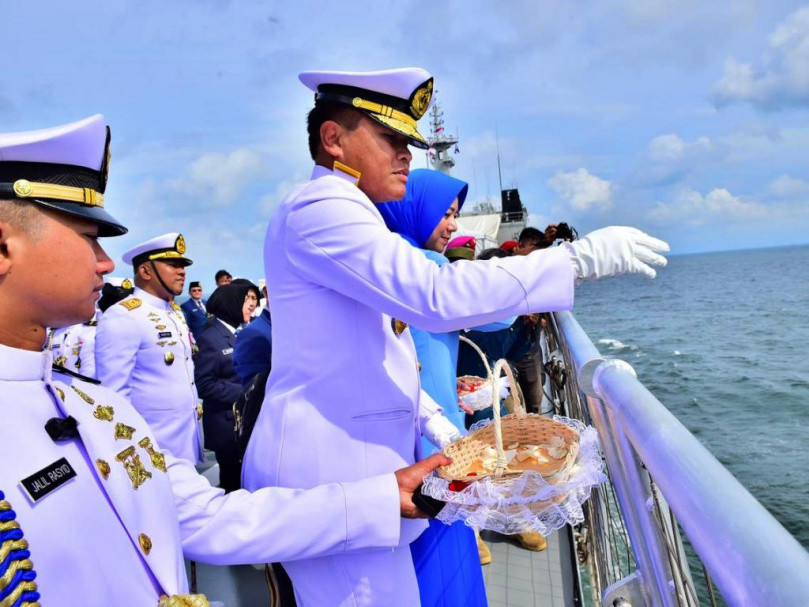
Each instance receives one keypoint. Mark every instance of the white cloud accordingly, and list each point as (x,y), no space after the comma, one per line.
(582,190)
(694,208)
(783,78)
(788,187)
(670,147)
(216,180)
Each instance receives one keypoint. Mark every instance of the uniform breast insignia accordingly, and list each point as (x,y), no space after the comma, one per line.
(183,600)
(89,400)
(17,575)
(158,459)
(131,304)
(122,431)
(168,357)
(133,466)
(153,316)
(145,543)
(160,327)
(60,360)
(103,413)
(103,468)
(398,326)
(162,343)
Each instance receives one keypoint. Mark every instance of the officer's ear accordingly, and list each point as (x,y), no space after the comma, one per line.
(331,134)
(5,257)
(18,221)
(143,271)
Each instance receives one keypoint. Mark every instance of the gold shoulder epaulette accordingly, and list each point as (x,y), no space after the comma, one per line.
(131,304)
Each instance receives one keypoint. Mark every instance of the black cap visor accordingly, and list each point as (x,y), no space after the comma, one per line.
(107,224)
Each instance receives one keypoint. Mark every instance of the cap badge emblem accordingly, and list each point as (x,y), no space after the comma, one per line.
(179,245)
(421,98)
(23,188)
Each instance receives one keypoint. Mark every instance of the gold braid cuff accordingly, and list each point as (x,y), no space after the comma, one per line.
(183,600)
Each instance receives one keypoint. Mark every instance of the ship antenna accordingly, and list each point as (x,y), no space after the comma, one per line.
(499,172)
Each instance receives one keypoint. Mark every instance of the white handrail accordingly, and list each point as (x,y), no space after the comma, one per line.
(752,558)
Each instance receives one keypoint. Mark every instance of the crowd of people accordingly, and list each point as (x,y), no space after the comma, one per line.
(357,332)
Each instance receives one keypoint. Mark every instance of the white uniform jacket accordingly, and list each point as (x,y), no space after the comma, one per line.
(116,532)
(74,348)
(342,399)
(144,352)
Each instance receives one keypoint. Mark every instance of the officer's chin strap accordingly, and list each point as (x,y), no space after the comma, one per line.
(160,279)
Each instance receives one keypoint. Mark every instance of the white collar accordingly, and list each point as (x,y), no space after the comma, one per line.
(24,365)
(152,300)
(231,329)
(321,171)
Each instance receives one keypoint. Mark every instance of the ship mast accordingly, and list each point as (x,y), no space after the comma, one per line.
(440,142)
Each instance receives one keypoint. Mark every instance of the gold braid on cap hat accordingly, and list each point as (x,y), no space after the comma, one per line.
(22,188)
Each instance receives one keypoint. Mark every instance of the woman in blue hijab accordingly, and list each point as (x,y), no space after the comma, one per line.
(446,558)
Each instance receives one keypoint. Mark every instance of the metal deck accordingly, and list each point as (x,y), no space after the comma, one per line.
(521,578)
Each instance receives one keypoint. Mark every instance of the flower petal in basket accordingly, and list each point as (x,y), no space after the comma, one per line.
(534,443)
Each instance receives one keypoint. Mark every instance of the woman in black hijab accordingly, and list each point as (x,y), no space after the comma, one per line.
(231,306)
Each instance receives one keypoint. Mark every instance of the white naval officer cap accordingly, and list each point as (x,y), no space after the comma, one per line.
(62,168)
(117,281)
(160,248)
(396,98)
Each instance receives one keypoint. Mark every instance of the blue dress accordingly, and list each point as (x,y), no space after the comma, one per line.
(446,557)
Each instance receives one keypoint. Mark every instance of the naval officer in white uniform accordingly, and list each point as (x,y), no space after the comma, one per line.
(92,512)
(144,350)
(343,399)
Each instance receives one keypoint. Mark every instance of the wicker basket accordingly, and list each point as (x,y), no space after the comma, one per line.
(512,431)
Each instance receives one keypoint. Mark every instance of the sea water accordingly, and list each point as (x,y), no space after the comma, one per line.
(722,339)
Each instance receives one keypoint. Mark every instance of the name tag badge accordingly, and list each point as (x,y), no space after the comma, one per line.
(163,334)
(227,351)
(49,479)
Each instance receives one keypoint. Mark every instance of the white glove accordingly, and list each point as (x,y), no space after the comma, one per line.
(615,250)
(440,431)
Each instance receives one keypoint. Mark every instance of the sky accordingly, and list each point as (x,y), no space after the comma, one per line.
(687,119)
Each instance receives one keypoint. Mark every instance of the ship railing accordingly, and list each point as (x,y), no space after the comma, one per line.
(749,555)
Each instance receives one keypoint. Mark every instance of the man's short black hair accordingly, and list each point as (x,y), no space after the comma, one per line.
(531,236)
(323,111)
(222,273)
(491,253)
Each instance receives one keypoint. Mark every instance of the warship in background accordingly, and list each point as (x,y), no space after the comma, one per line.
(482,220)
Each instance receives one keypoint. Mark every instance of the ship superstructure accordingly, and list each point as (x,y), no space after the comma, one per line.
(441,142)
